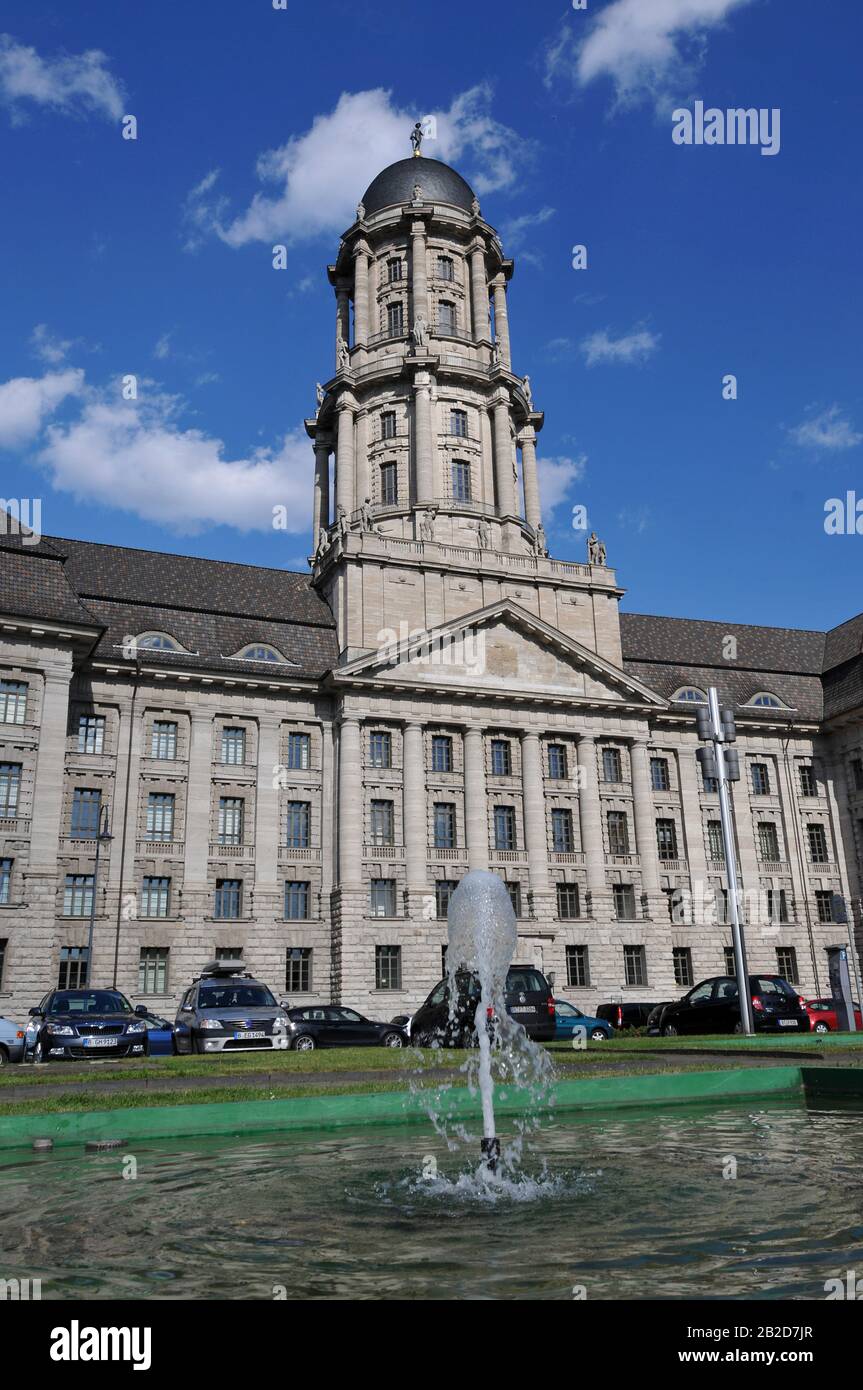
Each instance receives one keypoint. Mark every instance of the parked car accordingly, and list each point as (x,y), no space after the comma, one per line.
(11,1042)
(528,1000)
(625,1015)
(823,1017)
(332,1025)
(83,1023)
(567,1018)
(226,1010)
(713,1006)
(654,1018)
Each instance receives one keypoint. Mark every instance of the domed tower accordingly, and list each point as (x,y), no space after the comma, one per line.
(435,510)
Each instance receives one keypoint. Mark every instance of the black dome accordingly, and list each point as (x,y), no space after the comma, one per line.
(439,183)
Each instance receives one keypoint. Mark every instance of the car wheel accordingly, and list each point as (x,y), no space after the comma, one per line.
(392,1040)
(669,1030)
(821,1027)
(305,1043)
(599,1035)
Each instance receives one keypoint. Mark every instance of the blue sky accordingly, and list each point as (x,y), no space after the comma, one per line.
(153,257)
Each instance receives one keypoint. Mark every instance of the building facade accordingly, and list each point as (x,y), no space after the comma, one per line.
(298,769)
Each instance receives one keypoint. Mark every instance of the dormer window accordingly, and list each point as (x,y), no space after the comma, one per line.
(690,695)
(260,652)
(764,700)
(157,642)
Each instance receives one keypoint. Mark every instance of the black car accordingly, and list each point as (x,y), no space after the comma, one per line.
(654,1019)
(626,1015)
(713,1006)
(84,1023)
(332,1025)
(528,997)
(227,1010)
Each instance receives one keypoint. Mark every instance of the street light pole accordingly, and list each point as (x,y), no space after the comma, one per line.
(719,761)
(101,835)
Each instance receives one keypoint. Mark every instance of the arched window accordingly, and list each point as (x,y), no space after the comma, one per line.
(157,642)
(764,700)
(690,694)
(260,652)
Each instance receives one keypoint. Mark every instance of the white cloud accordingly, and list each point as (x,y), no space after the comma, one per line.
(316,178)
(556,476)
(516,229)
(649,48)
(163,347)
(26,402)
(134,455)
(636,346)
(830,430)
(74,84)
(48,346)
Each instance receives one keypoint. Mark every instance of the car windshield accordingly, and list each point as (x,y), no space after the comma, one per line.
(235,996)
(525,982)
(766,984)
(89,1001)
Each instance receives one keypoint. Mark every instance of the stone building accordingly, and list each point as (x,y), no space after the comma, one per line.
(300,768)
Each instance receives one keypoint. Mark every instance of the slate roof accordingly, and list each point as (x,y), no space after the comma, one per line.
(34,584)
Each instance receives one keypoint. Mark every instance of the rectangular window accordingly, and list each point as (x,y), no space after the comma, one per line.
(824,902)
(298,824)
(163,740)
(394,270)
(634,965)
(382,897)
(86,810)
(557,762)
(612,768)
(13,702)
(501,758)
(514,890)
(380,750)
(577,967)
(659,778)
(817,837)
(389,484)
(299,752)
(10,786)
(234,746)
(441,753)
(443,891)
(388,424)
(777,905)
(297,900)
(153,970)
(78,895)
(444,825)
(160,816)
(458,423)
(229,898)
(395,319)
(618,833)
(682,958)
(231,810)
(562,841)
(624,902)
(768,841)
(388,967)
(568,905)
(298,970)
(808,780)
(91,733)
(382,823)
(714,840)
(666,838)
(504,827)
(155,897)
(73,967)
(446,317)
(6,880)
(460,474)
(786,964)
(445,268)
(730,966)
(228,952)
(760,779)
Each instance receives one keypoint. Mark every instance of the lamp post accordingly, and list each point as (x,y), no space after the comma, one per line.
(102,836)
(720,763)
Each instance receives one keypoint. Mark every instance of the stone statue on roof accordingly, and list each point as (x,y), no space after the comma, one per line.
(417,138)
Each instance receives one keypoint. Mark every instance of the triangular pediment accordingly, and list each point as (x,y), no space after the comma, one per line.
(501,648)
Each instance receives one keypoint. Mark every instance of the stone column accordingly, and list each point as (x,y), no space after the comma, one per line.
(47,805)
(419,271)
(423,441)
(321,507)
(343,314)
(361,293)
(199,797)
(503,479)
(501,320)
(590,820)
(415,813)
(475,807)
(532,513)
(131,726)
(361,459)
(266,891)
(345,495)
(645,820)
(479,292)
(350,818)
(535,828)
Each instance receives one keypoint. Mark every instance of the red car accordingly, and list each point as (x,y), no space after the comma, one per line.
(823,1017)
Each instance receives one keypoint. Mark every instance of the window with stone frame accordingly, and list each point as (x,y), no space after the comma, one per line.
(458,423)
(445,268)
(160,816)
(612,766)
(786,964)
(77,895)
(730,964)
(396,319)
(389,476)
(562,839)
(380,749)
(557,762)
(715,845)
(824,904)
(504,828)
(660,780)
(228,905)
(91,733)
(441,750)
(460,479)
(153,970)
(635,965)
(578,967)
(382,897)
(618,832)
(163,740)
(86,813)
(234,745)
(501,757)
(682,960)
(446,317)
(297,894)
(388,967)
(624,902)
(74,967)
(382,822)
(816,836)
(808,780)
(388,424)
(856,766)
(298,825)
(760,779)
(6,866)
(513,888)
(231,817)
(299,752)
(444,825)
(777,905)
(13,702)
(10,787)
(394,270)
(298,970)
(768,841)
(666,838)
(155,896)
(568,901)
(443,891)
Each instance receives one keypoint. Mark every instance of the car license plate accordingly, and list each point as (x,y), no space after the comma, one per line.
(518,1010)
(788,1023)
(100,1042)
(242,1037)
